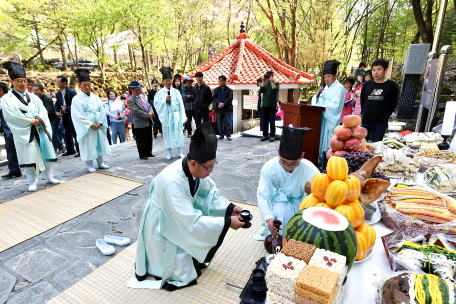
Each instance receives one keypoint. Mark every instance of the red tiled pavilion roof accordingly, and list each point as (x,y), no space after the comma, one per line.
(244,62)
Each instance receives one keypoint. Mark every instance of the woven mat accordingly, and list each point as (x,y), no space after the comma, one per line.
(28,216)
(233,262)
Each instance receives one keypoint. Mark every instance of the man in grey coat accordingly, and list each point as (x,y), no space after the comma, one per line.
(142,120)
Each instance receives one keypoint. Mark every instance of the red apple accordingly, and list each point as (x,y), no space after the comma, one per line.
(351,121)
(343,133)
(329,153)
(337,128)
(352,144)
(340,153)
(359,132)
(336,145)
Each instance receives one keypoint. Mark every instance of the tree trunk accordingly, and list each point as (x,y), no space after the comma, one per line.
(62,52)
(426,37)
(428,18)
(38,44)
(363,56)
(131,58)
(76,54)
(144,59)
(116,59)
(102,73)
(228,22)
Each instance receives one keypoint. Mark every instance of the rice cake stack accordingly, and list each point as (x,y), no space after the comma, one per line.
(331,261)
(316,285)
(281,278)
(299,250)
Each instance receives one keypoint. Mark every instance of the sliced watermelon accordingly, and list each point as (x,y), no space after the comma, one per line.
(326,229)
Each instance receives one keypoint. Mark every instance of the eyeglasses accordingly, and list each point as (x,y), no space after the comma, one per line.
(20,80)
(286,165)
(207,169)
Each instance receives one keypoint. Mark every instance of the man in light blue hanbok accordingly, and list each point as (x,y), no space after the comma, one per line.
(185,220)
(171,112)
(27,118)
(332,97)
(282,182)
(89,120)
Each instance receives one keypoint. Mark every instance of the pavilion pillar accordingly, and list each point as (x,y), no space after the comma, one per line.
(283,95)
(296,95)
(237,111)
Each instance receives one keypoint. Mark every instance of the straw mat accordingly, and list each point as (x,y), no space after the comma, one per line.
(233,262)
(28,216)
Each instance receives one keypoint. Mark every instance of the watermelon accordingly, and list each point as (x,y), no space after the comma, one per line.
(326,229)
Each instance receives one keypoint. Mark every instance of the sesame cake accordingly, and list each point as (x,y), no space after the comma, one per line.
(282,275)
(317,284)
(299,250)
(331,261)
(273,298)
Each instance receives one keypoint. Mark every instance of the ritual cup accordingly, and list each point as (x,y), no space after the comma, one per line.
(246,216)
(258,280)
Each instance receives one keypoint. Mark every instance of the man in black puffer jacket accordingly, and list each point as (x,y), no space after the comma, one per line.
(203,99)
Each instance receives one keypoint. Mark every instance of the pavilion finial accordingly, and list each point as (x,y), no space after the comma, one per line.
(242,27)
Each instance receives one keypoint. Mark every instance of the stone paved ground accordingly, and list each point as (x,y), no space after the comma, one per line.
(40,268)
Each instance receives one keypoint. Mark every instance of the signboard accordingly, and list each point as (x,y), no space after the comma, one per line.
(250,102)
(429,82)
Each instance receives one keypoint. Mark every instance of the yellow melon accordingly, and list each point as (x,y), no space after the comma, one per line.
(309,201)
(369,233)
(359,213)
(362,246)
(337,168)
(336,193)
(319,184)
(346,211)
(354,188)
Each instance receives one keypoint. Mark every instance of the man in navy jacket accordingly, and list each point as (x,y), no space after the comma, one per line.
(63,109)
(13,163)
(223,97)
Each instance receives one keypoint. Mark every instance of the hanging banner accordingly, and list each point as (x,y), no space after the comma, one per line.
(429,83)
(122,38)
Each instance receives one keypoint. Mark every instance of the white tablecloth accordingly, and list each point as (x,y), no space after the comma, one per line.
(359,287)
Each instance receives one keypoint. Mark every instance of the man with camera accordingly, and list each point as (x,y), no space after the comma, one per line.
(269,88)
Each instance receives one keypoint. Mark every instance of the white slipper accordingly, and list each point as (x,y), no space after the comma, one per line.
(105,248)
(116,240)
(91,169)
(32,188)
(52,181)
(103,166)
(181,155)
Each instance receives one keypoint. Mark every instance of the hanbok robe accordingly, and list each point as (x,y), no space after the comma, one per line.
(280,193)
(34,148)
(172,117)
(178,231)
(332,98)
(85,111)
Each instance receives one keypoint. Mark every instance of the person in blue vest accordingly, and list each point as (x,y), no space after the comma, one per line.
(13,163)
(63,109)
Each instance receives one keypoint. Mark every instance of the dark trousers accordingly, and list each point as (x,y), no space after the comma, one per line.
(61,138)
(157,125)
(224,120)
(201,115)
(377,131)
(55,124)
(267,115)
(13,164)
(70,135)
(108,135)
(188,124)
(144,140)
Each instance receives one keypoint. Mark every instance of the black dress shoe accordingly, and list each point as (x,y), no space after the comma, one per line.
(263,138)
(155,136)
(150,155)
(69,153)
(144,158)
(229,138)
(220,137)
(12,175)
(77,155)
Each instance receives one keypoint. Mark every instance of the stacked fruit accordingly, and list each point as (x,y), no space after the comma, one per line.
(349,137)
(339,191)
(356,160)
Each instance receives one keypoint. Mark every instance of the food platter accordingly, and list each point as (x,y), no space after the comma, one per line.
(367,256)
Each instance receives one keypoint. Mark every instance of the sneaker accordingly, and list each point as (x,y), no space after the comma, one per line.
(229,138)
(220,137)
(116,240)
(52,181)
(32,188)
(68,153)
(105,248)
(91,169)
(264,138)
(103,166)
(271,139)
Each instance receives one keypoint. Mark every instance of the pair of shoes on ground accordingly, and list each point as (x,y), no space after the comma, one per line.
(181,155)
(12,175)
(271,139)
(53,181)
(68,153)
(102,166)
(221,137)
(106,249)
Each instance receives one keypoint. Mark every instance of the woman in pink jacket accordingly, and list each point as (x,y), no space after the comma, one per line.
(361,80)
(348,104)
